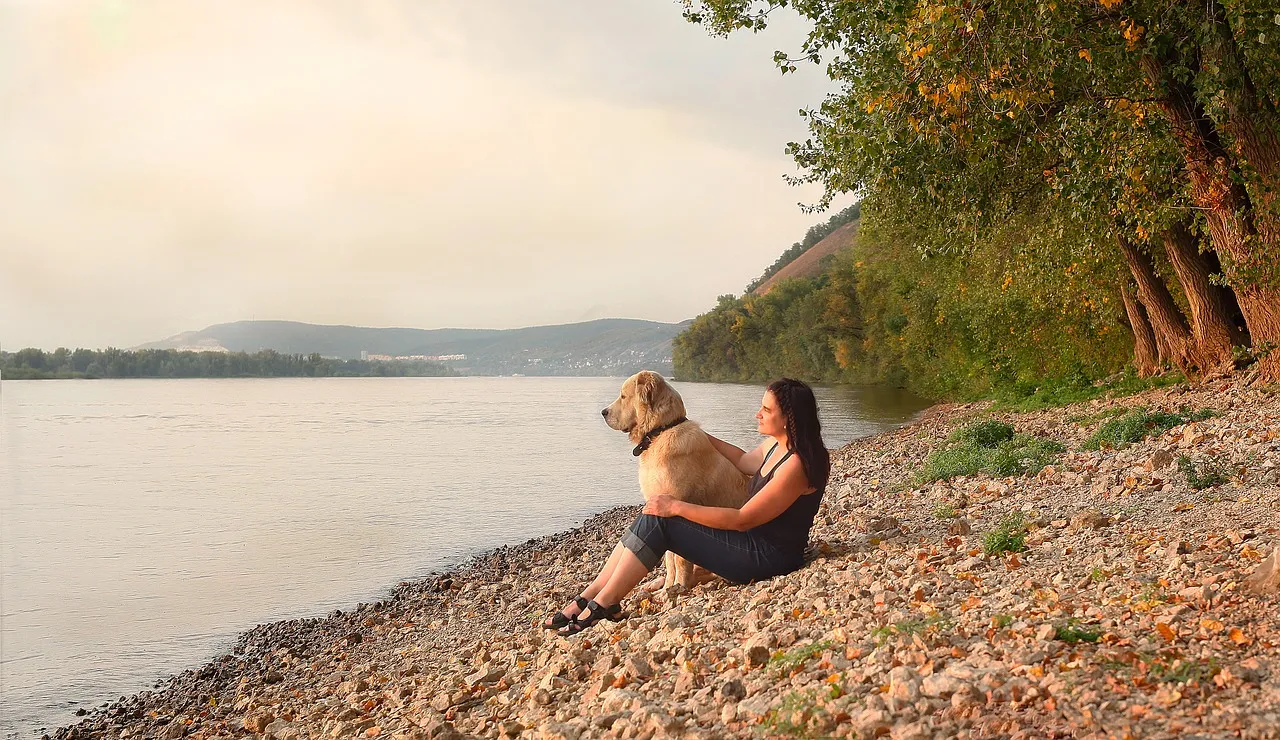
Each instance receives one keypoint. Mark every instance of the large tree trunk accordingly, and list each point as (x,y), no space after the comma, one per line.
(1228,297)
(1145,357)
(1250,121)
(1226,207)
(1211,327)
(1172,334)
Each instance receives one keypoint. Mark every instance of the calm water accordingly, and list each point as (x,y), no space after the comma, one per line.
(144,523)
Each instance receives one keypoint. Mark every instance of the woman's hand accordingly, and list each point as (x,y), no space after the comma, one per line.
(661,505)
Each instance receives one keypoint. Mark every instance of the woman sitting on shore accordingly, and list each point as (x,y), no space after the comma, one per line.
(765,538)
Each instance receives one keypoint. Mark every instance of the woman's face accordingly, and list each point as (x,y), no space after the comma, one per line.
(769,419)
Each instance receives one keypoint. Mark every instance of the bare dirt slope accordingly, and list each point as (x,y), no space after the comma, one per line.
(807,264)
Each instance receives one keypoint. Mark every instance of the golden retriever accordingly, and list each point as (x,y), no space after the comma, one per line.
(676,460)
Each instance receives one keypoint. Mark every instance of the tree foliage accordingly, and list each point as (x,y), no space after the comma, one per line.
(1121,121)
(940,322)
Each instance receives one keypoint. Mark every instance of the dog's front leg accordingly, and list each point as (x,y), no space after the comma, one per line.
(670,562)
(680,572)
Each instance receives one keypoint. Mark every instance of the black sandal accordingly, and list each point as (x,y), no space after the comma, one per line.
(560,620)
(598,612)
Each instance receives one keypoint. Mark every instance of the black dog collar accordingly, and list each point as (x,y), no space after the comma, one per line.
(648,438)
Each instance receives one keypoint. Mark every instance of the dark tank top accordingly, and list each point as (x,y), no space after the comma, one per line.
(788,531)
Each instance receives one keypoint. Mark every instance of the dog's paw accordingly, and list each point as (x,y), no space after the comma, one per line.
(672,593)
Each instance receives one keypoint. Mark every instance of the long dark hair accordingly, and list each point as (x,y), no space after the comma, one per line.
(804,430)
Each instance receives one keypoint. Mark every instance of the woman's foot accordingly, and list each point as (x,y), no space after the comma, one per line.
(590,615)
(566,616)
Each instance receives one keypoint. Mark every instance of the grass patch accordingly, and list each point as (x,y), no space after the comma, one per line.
(1009,536)
(1138,425)
(945,511)
(908,627)
(1001,621)
(1072,633)
(1180,670)
(990,447)
(1160,667)
(1054,393)
(1206,472)
(1098,575)
(792,659)
(792,716)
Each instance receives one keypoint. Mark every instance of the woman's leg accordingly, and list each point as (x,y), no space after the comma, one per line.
(627,573)
(591,591)
(737,556)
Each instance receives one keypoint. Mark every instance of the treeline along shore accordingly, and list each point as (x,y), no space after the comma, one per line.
(36,364)
(1121,582)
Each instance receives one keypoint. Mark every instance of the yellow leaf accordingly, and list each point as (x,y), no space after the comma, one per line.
(1166,631)
(1237,636)
(1085,55)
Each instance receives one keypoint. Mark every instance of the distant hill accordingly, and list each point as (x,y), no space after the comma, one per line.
(601,347)
(815,234)
(809,263)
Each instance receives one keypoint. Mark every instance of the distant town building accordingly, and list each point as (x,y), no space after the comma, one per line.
(364,355)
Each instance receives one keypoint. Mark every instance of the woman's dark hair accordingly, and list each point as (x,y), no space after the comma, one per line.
(804,431)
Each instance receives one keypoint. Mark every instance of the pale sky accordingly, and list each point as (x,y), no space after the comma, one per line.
(170,164)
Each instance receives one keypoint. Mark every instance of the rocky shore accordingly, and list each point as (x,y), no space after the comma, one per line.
(1140,608)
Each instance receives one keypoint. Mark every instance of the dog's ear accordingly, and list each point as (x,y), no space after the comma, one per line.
(660,404)
(647,385)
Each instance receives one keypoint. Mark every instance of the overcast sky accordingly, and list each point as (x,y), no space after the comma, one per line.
(170,164)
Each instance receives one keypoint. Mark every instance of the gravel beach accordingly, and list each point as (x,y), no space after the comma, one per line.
(1139,608)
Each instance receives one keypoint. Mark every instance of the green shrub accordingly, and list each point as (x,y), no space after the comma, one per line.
(1206,473)
(1009,536)
(1072,633)
(1053,393)
(983,433)
(1138,425)
(989,447)
(1024,454)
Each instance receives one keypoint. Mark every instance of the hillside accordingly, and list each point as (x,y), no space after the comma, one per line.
(601,347)
(809,263)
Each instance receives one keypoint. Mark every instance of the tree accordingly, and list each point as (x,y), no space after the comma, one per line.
(960,110)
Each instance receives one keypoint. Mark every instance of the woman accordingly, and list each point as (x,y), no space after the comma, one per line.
(765,538)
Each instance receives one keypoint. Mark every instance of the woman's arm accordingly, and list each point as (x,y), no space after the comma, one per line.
(787,485)
(747,462)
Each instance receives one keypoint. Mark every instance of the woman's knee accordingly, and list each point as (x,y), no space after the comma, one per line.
(647,539)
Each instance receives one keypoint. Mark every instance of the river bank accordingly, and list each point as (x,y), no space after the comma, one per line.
(900,624)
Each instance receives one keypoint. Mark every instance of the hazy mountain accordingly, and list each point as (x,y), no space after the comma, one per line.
(601,347)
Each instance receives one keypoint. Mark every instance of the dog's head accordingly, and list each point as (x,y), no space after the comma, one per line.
(645,403)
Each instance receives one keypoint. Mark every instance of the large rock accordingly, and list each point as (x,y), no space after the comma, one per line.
(257,720)
(872,723)
(904,684)
(1089,519)
(1266,579)
(940,685)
